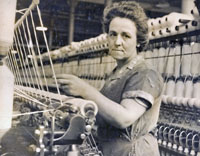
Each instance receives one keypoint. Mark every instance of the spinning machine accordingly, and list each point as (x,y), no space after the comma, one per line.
(57,124)
(174,51)
(64,125)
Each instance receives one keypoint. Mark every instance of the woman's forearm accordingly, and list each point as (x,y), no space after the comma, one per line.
(115,114)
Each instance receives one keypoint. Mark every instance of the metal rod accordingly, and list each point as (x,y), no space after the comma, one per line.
(31,7)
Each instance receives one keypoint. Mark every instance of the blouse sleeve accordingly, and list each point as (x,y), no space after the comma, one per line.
(144,87)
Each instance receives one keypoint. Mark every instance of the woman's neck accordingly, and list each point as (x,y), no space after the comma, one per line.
(121,63)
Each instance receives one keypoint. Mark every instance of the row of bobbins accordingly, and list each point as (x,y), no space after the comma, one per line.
(89,45)
(179,65)
(173,23)
(91,69)
(179,139)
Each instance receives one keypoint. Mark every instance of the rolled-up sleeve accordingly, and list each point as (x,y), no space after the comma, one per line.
(144,87)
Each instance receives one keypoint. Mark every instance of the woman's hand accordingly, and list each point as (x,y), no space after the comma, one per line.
(72,85)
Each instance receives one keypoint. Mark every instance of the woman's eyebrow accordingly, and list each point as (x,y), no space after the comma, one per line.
(112,31)
(126,33)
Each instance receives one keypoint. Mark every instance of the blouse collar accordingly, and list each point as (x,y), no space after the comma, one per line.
(135,61)
(138,59)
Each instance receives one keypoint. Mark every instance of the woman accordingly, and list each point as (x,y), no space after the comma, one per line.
(129,102)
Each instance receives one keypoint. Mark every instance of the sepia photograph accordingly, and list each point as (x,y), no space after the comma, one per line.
(100,78)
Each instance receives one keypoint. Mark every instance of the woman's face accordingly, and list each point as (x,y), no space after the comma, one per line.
(122,39)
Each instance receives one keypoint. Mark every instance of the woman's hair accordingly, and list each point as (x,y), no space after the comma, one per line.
(132,11)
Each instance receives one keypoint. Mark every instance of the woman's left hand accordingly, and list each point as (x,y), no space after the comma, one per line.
(72,85)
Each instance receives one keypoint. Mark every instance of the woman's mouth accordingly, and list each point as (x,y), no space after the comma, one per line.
(117,50)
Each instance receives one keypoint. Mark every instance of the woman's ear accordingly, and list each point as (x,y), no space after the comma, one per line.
(138,47)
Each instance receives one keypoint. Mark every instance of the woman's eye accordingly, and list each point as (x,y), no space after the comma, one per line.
(112,34)
(126,36)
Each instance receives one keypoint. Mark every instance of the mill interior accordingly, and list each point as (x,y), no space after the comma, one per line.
(42,39)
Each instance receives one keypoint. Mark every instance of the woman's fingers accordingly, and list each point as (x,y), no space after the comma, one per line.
(65,89)
(65,76)
(71,85)
(63,81)
(64,85)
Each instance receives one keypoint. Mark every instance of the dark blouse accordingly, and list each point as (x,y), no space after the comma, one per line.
(137,81)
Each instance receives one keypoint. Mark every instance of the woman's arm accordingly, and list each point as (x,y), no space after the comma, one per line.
(120,116)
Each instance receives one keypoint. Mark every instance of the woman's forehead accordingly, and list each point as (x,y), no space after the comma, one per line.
(122,24)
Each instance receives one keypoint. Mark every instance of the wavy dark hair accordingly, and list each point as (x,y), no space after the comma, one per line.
(132,11)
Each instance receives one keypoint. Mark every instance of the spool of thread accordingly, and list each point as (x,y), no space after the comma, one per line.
(6,96)
(172,30)
(102,39)
(195,71)
(170,63)
(102,68)
(186,59)
(74,67)
(161,60)
(163,22)
(80,71)
(182,140)
(83,105)
(163,32)
(7,16)
(177,19)
(176,139)
(72,151)
(155,57)
(171,137)
(196,88)
(180,29)
(195,13)
(184,101)
(154,24)
(197,103)
(88,67)
(172,100)
(65,49)
(170,86)
(150,24)
(177,60)
(156,33)
(167,30)
(195,58)
(160,133)
(94,44)
(179,90)
(191,26)
(188,87)
(191,102)
(196,142)
(165,135)
(164,99)
(58,68)
(148,57)
(98,74)
(188,142)
(150,36)
(105,62)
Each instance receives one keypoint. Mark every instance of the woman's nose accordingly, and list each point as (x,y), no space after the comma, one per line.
(118,40)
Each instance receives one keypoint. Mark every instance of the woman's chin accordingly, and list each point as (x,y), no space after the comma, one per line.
(118,57)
